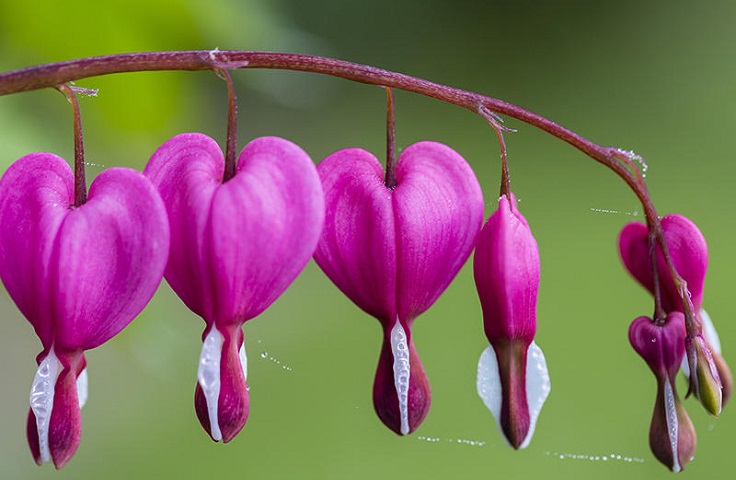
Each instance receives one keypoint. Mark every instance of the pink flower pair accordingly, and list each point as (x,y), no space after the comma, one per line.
(663,343)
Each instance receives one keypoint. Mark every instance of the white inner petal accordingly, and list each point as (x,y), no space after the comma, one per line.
(82,382)
(672,427)
(208,376)
(243,361)
(402,371)
(42,399)
(710,334)
(538,386)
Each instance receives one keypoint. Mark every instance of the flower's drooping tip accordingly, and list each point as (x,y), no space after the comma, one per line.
(401,393)
(221,396)
(516,413)
(671,435)
(58,393)
(513,380)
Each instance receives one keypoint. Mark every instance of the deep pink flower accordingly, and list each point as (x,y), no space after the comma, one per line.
(687,248)
(671,435)
(236,246)
(512,373)
(78,274)
(689,253)
(394,251)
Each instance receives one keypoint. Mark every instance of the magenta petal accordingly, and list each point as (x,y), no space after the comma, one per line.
(79,275)
(111,254)
(689,252)
(236,246)
(357,249)
(661,346)
(438,205)
(36,194)
(506,268)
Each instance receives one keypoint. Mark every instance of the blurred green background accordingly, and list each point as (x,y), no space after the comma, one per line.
(655,77)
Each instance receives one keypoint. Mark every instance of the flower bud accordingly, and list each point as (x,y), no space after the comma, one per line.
(671,435)
(512,374)
(706,383)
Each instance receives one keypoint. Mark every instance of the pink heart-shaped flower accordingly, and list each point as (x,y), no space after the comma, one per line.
(236,246)
(78,274)
(394,251)
(687,248)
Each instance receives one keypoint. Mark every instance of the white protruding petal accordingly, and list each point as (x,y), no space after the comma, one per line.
(82,382)
(711,336)
(42,399)
(489,385)
(538,386)
(670,409)
(402,372)
(208,376)
(243,361)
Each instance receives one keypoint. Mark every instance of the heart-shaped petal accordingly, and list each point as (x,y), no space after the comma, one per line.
(79,275)
(394,251)
(236,246)
(687,248)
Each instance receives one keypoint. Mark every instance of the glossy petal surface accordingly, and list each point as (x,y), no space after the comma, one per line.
(689,252)
(506,268)
(393,252)
(236,246)
(79,275)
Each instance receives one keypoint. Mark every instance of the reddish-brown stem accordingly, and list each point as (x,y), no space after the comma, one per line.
(390,180)
(494,121)
(659,317)
(52,74)
(231,143)
(80,181)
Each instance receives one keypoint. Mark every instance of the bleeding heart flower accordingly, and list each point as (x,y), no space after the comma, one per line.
(513,380)
(689,252)
(393,251)
(687,248)
(78,274)
(671,435)
(236,246)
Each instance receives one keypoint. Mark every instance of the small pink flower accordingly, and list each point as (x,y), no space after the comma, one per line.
(671,435)
(393,251)
(513,380)
(236,246)
(78,274)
